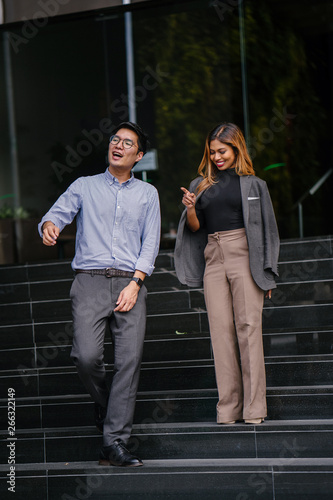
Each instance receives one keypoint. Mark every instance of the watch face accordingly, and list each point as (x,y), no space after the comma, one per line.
(138,281)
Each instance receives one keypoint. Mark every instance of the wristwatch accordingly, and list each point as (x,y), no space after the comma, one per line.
(138,281)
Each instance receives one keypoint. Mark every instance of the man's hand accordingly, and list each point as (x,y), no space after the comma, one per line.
(127,297)
(50,233)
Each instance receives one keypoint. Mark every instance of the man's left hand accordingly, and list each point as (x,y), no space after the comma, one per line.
(127,297)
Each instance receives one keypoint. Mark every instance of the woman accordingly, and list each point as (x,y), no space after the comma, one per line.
(228,238)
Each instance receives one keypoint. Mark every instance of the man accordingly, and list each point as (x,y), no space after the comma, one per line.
(117,241)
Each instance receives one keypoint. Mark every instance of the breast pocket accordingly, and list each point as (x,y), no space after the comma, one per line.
(133,220)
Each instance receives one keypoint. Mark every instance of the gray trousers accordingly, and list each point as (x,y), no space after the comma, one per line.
(93,302)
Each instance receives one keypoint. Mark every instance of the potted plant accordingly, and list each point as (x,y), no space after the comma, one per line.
(8,232)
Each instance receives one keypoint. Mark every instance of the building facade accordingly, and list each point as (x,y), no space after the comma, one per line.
(71,70)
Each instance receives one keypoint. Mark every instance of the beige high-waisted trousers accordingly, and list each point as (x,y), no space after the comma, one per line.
(234,305)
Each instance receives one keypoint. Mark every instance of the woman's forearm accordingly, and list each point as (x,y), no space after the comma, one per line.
(192,219)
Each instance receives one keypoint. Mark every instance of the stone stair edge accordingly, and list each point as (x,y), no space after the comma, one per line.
(163,271)
(221,464)
(164,394)
(193,310)
(182,288)
(285,243)
(178,364)
(151,337)
(189,427)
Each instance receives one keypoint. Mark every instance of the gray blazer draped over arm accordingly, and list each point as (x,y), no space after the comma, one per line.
(261,232)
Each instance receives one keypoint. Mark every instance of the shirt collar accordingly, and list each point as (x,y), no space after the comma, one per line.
(111,179)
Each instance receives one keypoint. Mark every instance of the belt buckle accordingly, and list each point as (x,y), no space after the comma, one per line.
(108,272)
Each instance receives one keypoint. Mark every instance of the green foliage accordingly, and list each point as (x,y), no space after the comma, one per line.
(201,56)
(280,77)
(7,212)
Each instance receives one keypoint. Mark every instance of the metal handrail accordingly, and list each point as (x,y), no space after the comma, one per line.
(311,191)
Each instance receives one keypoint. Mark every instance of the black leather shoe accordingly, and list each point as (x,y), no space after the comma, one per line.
(100,414)
(118,455)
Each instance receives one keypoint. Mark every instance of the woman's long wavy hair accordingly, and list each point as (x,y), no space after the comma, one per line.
(230,134)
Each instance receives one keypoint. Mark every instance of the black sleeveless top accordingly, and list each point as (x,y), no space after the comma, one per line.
(220,207)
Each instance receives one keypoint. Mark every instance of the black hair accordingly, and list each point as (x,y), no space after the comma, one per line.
(143,141)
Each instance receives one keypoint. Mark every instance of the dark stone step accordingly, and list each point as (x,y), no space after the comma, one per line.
(306,249)
(53,349)
(55,286)
(56,355)
(17,336)
(302,293)
(299,284)
(304,270)
(238,479)
(61,269)
(182,441)
(298,342)
(292,297)
(69,410)
(275,319)
(184,375)
(298,317)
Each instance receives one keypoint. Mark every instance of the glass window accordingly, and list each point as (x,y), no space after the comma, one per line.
(289,82)
(195,65)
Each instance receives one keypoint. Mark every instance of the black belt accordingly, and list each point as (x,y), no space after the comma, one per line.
(109,272)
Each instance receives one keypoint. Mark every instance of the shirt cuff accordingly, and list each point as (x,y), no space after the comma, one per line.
(55,221)
(144,267)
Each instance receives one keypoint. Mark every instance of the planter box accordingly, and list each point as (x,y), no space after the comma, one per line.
(7,241)
(20,242)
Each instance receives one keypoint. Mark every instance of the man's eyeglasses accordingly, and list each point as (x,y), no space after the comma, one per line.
(127,143)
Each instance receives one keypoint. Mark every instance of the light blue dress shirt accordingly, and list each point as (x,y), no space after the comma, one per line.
(118,225)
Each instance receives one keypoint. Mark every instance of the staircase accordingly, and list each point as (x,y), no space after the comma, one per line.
(186,454)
